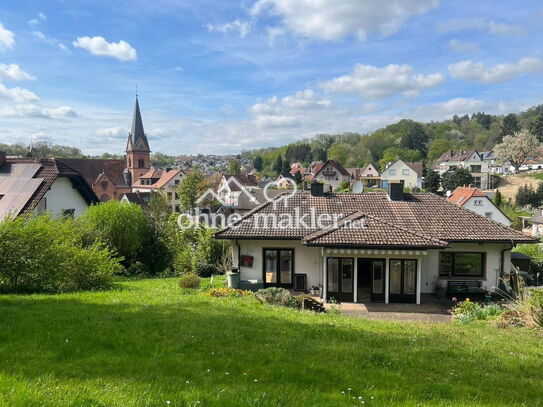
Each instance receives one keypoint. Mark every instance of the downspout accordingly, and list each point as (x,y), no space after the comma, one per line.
(239,254)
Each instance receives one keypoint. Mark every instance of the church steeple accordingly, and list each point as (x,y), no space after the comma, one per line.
(137,139)
(138,153)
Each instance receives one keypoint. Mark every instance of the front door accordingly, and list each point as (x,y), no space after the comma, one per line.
(340,278)
(371,280)
(403,280)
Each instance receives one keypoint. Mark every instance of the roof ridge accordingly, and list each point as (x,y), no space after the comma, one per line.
(333,227)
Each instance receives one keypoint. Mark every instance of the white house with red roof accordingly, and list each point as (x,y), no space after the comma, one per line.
(165,181)
(476,201)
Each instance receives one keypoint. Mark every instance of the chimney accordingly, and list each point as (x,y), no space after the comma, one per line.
(395,191)
(317,189)
(2,158)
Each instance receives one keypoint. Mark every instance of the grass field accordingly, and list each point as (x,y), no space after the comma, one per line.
(145,343)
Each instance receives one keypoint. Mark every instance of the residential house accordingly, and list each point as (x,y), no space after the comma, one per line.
(249,201)
(331,173)
(471,160)
(476,201)
(164,181)
(285,180)
(382,247)
(37,186)
(232,186)
(408,172)
(533,225)
(368,175)
(138,198)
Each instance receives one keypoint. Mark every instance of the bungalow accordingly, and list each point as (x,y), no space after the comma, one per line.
(383,247)
(408,172)
(477,201)
(33,186)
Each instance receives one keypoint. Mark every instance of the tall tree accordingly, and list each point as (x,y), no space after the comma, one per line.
(432,181)
(414,137)
(458,177)
(234,167)
(537,127)
(278,164)
(509,126)
(517,149)
(258,163)
(190,189)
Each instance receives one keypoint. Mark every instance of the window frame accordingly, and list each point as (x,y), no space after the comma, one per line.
(405,171)
(453,273)
(278,250)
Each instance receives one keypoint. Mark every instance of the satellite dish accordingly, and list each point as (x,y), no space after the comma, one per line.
(358,188)
(448,193)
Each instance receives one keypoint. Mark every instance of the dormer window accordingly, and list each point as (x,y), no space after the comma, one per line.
(478,202)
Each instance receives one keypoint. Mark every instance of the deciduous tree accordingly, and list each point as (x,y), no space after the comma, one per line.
(517,149)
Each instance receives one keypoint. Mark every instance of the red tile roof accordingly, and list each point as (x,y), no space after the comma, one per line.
(91,168)
(462,194)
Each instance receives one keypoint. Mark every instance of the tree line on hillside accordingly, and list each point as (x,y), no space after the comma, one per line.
(407,140)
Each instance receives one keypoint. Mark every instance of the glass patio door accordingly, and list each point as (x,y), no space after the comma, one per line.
(340,278)
(377,280)
(278,267)
(403,280)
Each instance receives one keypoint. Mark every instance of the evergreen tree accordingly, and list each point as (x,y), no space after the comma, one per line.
(510,126)
(286,166)
(526,196)
(278,164)
(258,163)
(498,198)
(234,167)
(432,181)
(537,127)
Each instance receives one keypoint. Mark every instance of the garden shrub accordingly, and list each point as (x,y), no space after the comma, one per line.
(276,296)
(467,311)
(228,292)
(41,254)
(121,225)
(190,281)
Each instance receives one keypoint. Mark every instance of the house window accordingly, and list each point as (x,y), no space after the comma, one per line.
(488,215)
(392,172)
(141,163)
(177,208)
(460,264)
(405,172)
(475,168)
(176,182)
(478,202)
(278,267)
(170,195)
(477,182)
(68,213)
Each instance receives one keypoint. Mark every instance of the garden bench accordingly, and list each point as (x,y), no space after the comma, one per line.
(465,287)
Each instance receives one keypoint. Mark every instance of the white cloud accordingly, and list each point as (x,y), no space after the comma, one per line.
(17,94)
(333,20)
(33,21)
(371,82)
(99,46)
(241,27)
(480,24)
(49,40)
(34,111)
(112,132)
(42,16)
(7,40)
(14,72)
(288,111)
(463,46)
(477,72)
(274,32)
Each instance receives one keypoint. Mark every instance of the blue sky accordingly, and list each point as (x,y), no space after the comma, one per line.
(221,76)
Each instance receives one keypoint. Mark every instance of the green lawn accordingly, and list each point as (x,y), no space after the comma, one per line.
(147,344)
(538,176)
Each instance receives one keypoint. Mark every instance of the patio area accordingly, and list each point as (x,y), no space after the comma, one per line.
(430,310)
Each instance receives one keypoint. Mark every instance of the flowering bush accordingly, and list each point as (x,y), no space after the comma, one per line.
(277,296)
(228,292)
(467,311)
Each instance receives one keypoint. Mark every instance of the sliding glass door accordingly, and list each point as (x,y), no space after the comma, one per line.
(403,280)
(278,268)
(340,278)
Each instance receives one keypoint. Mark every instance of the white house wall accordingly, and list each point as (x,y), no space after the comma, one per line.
(486,207)
(61,196)
(307,260)
(411,180)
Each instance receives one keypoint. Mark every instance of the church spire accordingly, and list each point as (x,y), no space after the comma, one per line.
(137,133)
